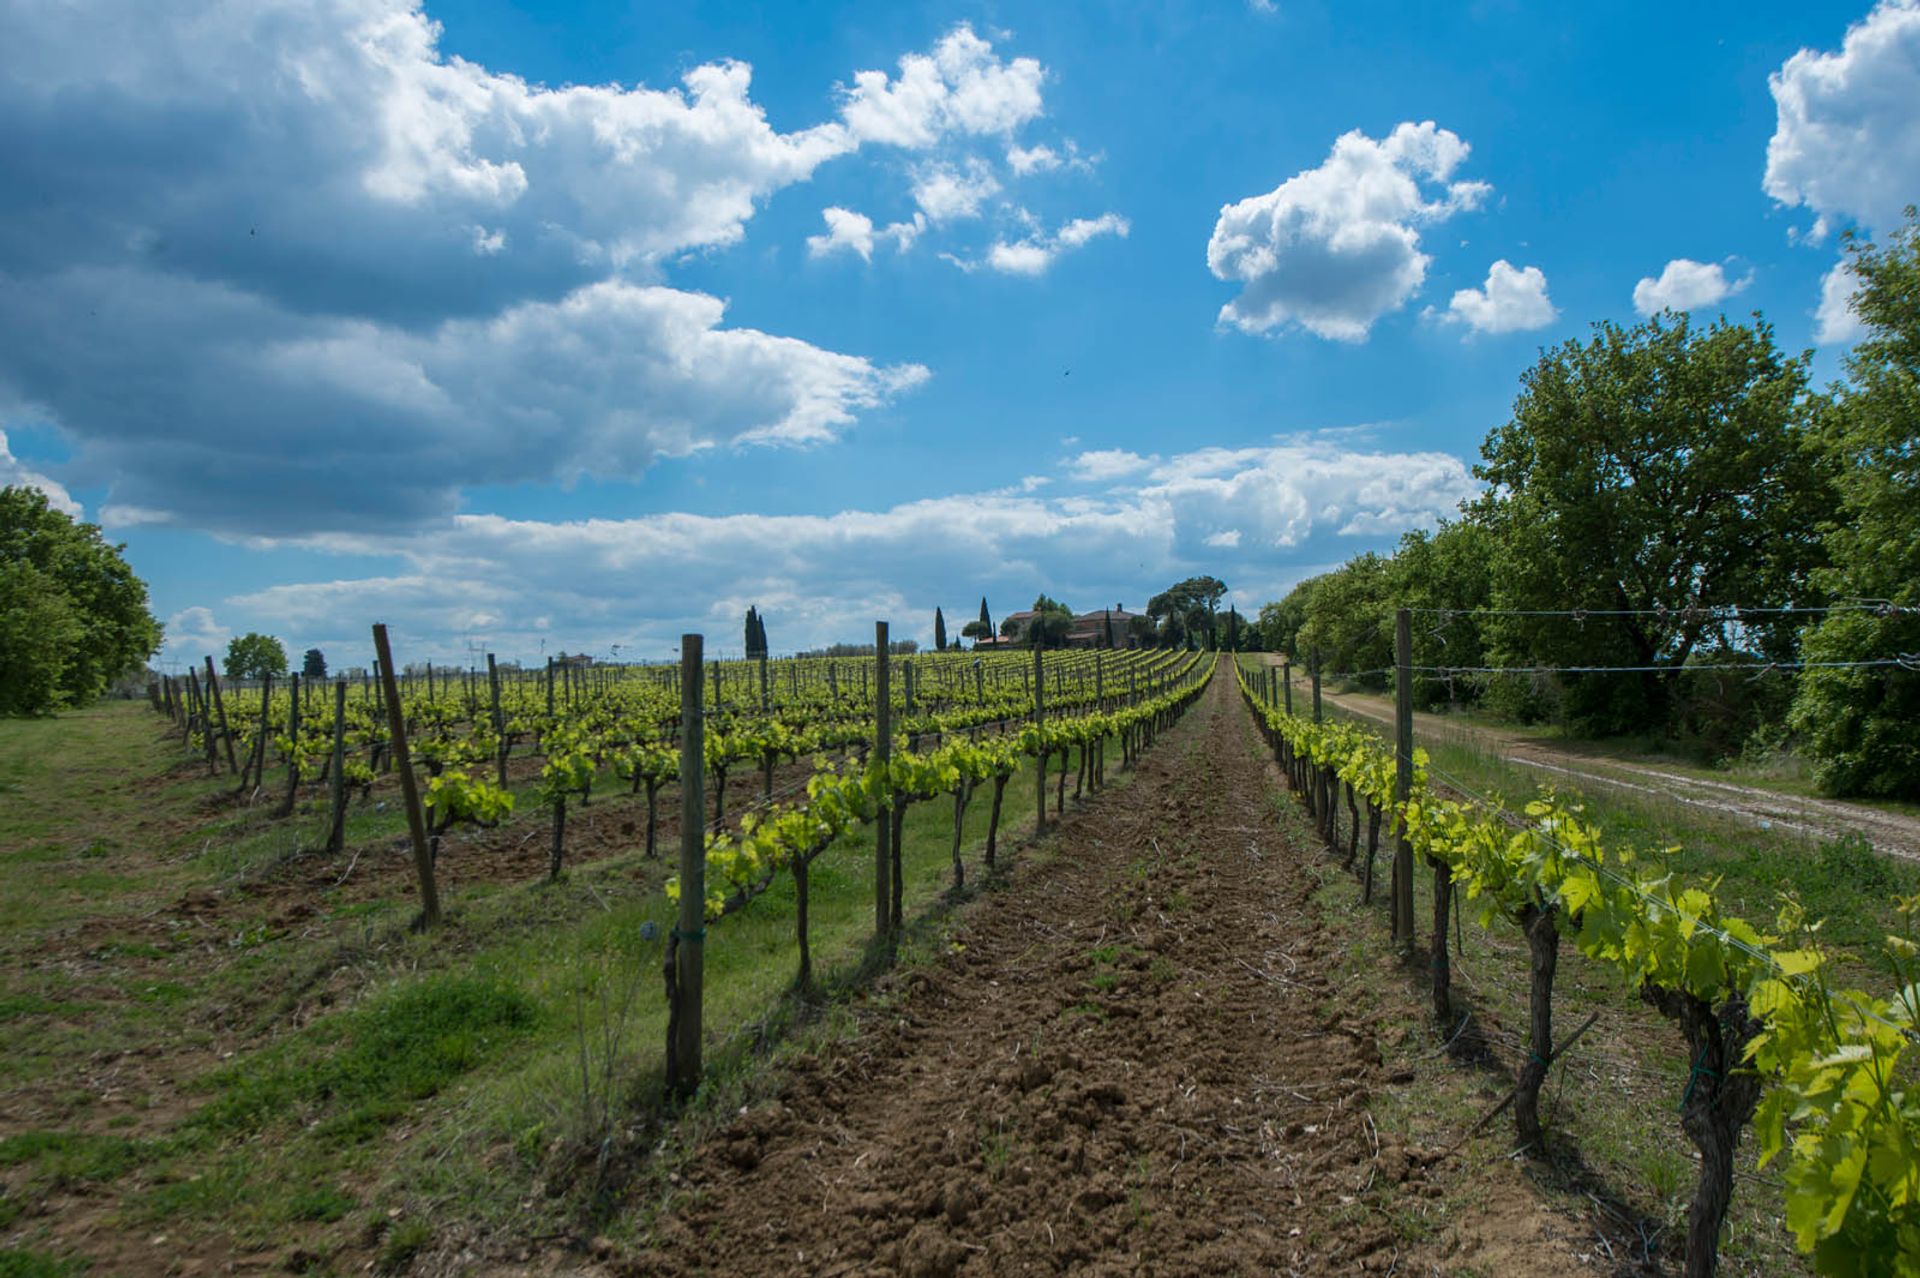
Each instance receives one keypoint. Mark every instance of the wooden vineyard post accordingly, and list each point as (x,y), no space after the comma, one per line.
(1402,777)
(201,700)
(257,760)
(687,955)
(1286,687)
(220,711)
(1313,672)
(1099,683)
(882,756)
(499,720)
(549,687)
(979,682)
(409,785)
(293,748)
(337,770)
(1039,722)
(766,697)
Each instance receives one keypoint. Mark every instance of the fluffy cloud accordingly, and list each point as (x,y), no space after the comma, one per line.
(1033,255)
(1336,247)
(192,635)
(962,87)
(14,473)
(1102,465)
(1684,285)
(1036,159)
(273,267)
(1845,144)
(944,192)
(1245,514)
(1512,301)
(1836,322)
(855,233)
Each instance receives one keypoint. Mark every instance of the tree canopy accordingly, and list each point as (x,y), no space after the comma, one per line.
(1859,722)
(313,665)
(73,616)
(254,656)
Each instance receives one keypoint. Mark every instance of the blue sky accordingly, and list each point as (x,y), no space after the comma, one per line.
(538,327)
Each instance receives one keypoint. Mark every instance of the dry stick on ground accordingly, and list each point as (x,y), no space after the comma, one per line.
(1513,1091)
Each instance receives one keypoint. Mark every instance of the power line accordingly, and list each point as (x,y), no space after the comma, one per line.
(1686,612)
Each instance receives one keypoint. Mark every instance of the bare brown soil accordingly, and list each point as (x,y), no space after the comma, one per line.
(1132,1061)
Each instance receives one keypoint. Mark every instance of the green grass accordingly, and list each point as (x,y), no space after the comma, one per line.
(1842,881)
(32,1264)
(378,1068)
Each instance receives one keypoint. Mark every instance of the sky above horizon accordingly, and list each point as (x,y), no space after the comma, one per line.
(583,324)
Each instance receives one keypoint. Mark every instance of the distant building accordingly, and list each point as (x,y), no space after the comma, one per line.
(1105,628)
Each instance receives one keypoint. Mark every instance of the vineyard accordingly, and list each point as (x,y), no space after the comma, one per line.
(944,963)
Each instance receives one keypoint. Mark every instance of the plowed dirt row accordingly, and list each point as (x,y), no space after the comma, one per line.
(1134,1065)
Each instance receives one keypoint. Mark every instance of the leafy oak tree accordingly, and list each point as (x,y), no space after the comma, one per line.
(1661,470)
(73,616)
(1858,723)
(254,655)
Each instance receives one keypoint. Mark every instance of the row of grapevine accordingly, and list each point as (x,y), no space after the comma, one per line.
(1825,1074)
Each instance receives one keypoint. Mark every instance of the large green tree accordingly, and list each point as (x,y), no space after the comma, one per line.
(57,567)
(1662,470)
(254,655)
(939,630)
(1185,610)
(1859,722)
(1051,622)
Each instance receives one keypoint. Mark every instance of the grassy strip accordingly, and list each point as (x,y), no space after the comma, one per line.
(1617,1159)
(1843,881)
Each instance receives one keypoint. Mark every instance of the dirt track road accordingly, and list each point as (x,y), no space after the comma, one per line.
(1891,832)
(1137,1064)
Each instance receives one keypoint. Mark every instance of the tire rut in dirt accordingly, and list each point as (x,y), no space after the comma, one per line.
(1130,1068)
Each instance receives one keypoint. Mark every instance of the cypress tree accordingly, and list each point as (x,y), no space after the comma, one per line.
(986,618)
(939,631)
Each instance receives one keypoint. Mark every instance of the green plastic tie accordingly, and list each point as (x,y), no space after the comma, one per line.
(1693,1076)
(700,935)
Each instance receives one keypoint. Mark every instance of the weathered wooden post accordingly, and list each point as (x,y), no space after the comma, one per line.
(883,756)
(1040,722)
(409,785)
(684,1024)
(1402,777)
(293,748)
(499,720)
(337,772)
(220,712)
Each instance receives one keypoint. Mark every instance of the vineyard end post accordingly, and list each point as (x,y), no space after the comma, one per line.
(1402,777)
(409,786)
(1039,722)
(691,930)
(883,756)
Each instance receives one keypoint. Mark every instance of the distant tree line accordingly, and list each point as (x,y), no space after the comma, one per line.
(1652,485)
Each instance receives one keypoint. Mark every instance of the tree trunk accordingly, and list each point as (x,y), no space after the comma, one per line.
(653,814)
(803,981)
(1543,949)
(899,878)
(555,854)
(993,822)
(1720,1099)
(960,798)
(1442,969)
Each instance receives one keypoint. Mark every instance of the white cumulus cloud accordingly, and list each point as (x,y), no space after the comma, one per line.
(15,474)
(241,226)
(1034,254)
(639,582)
(1846,143)
(855,233)
(1684,285)
(1513,300)
(945,192)
(1334,248)
(1836,323)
